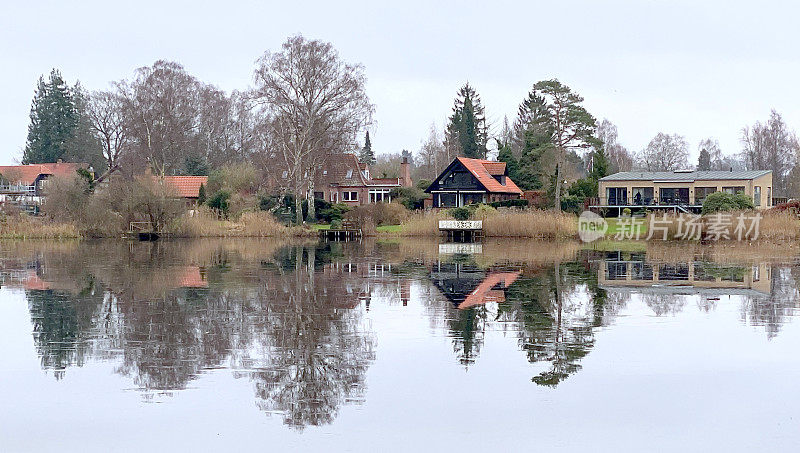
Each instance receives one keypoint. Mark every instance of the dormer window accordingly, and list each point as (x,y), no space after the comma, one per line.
(285,174)
(325,172)
(349,173)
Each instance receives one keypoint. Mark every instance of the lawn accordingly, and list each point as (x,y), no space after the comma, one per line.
(616,225)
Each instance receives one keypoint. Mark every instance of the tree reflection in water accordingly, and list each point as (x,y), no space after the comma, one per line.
(316,351)
(290,318)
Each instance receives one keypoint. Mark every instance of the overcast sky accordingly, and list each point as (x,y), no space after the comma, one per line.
(699,69)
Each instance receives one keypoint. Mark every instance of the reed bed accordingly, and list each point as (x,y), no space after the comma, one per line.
(535,224)
(23,226)
(250,224)
(773,226)
(532,223)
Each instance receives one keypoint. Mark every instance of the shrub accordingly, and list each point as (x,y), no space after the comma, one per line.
(268,202)
(721,201)
(461,213)
(423,184)
(410,197)
(220,201)
(572,203)
(626,212)
(332,212)
(509,204)
(482,211)
(378,214)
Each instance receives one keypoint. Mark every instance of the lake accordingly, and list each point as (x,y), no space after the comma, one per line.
(403,345)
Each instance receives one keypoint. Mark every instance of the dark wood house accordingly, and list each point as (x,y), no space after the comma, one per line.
(466,181)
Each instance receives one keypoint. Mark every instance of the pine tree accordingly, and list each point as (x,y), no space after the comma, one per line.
(201,195)
(704,160)
(54,120)
(466,132)
(599,164)
(367,156)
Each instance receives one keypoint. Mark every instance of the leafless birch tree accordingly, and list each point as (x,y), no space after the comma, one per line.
(316,105)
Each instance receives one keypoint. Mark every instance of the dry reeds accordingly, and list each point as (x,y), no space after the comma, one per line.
(250,224)
(532,223)
(23,226)
(537,224)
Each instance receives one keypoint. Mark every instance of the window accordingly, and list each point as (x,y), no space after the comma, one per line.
(769,196)
(379,196)
(642,195)
(700,193)
(349,173)
(757,195)
(447,200)
(334,197)
(350,196)
(319,196)
(617,196)
(285,174)
(733,190)
(324,172)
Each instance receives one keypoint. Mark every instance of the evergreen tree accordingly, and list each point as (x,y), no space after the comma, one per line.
(466,133)
(201,195)
(704,161)
(599,164)
(54,120)
(83,145)
(367,156)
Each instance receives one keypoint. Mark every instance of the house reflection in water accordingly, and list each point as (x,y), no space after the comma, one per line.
(466,285)
(631,270)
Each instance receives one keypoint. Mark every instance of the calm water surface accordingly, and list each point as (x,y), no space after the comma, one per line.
(396,346)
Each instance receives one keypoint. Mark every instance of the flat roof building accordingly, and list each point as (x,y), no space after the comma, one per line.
(683,190)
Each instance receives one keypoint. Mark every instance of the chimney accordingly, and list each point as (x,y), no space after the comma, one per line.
(406,170)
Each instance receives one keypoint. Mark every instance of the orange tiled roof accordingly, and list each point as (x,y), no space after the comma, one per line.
(27,174)
(485,293)
(190,277)
(186,186)
(484,170)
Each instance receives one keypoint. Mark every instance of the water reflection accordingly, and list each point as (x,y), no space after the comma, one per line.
(294,319)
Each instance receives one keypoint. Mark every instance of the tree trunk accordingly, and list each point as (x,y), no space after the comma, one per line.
(558,186)
(312,215)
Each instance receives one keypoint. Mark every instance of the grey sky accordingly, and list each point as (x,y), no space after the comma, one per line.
(696,69)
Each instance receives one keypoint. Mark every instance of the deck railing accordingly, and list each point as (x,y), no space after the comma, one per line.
(17,189)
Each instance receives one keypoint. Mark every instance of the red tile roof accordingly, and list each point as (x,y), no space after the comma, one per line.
(484,170)
(186,186)
(27,174)
(485,293)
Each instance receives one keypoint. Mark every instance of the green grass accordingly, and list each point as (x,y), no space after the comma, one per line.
(389,228)
(615,226)
(319,226)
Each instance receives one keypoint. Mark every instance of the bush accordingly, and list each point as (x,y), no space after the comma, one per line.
(332,212)
(626,212)
(423,184)
(509,204)
(572,203)
(220,201)
(482,211)
(378,214)
(410,197)
(461,213)
(721,201)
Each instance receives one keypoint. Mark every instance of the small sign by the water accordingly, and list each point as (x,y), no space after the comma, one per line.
(460,248)
(461,224)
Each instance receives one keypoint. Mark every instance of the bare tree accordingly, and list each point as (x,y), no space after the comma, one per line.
(161,106)
(771,146)
(432,154)
(619,158)
(665,153)
(106,116)
(316,105)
